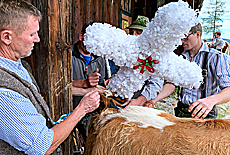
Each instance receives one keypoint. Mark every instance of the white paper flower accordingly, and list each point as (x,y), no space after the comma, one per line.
(158,40)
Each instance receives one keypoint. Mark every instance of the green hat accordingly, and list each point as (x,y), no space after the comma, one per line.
(139,23)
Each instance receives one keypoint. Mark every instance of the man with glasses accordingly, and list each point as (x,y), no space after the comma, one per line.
(185,39)
(200,102)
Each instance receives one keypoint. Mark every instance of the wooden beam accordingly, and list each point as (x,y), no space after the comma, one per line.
(52,59)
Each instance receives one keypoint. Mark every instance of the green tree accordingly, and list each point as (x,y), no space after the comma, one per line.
(212,21)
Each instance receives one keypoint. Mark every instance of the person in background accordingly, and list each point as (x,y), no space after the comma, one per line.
(219,43)
(201,102)
(26,126)
(153,85)
(88,70)
(88,74)
(138,25)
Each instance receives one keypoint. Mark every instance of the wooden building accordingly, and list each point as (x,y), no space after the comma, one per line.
(62,21)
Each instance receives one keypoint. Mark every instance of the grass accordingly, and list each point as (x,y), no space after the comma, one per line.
(223,110)
(174,93)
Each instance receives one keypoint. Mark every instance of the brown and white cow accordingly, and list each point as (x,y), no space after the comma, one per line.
(145,131)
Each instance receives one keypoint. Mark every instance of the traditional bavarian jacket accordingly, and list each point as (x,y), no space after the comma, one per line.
(11,81)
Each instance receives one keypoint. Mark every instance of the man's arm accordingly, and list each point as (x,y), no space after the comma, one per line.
(91,81)
(219,65)
(135,102)
(82,91)
(80,83)
(151,88)
(213,42)
(205,105)
(167,90)
(89,103)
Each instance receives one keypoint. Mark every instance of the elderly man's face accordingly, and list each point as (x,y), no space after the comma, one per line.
(23,44)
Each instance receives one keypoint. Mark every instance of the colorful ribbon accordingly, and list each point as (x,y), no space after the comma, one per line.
(146,64)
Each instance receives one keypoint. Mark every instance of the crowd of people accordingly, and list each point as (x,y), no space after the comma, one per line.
(26,125)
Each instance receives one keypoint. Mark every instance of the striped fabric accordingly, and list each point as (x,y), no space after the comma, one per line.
(218,67)
(20,124)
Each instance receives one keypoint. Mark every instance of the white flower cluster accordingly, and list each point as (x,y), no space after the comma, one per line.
(110,42)
(127,81)
(158,40)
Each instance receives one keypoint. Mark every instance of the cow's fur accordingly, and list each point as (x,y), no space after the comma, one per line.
(147,131)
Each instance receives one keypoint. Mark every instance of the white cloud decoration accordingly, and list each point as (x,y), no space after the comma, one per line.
(158,40)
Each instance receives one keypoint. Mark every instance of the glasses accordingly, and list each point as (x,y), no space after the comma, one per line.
(187,35)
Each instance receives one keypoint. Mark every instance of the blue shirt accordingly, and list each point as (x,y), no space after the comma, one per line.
(112,66)
(86,58)
(20,124)
(218,78)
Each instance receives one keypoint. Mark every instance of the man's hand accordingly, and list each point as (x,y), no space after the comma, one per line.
(135,102)
(150,103)
(107,81)
(93,78)
(90,101)
(201,108)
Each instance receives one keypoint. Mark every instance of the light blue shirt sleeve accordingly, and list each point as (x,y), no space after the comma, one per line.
(21,125)
(152,88)
(219,67)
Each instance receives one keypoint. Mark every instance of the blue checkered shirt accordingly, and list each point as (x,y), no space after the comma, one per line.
(20,124)
(218,78)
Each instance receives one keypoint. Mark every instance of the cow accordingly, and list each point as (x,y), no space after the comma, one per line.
(139,130)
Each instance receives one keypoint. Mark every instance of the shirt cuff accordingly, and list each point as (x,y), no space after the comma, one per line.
(42,143)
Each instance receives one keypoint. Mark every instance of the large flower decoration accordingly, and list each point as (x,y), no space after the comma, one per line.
(146,64)
(151,52)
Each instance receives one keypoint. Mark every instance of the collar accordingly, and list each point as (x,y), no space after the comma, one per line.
(204,47)
(11,65)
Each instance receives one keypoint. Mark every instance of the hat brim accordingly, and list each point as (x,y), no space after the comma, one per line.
(140,27)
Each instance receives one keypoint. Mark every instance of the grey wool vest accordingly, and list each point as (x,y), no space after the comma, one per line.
(12,81)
